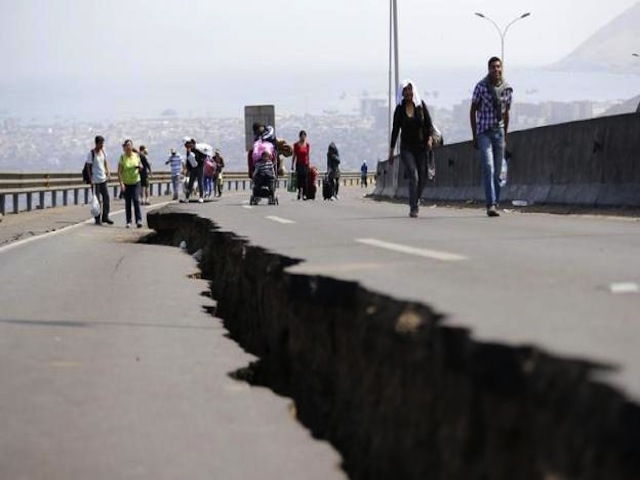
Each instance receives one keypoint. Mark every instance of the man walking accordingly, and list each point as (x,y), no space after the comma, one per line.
(177,165)
(99,172)
(489,117)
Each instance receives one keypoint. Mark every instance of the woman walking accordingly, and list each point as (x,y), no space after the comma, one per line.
(333,169)
(129,168)
(300,162)
(412,119)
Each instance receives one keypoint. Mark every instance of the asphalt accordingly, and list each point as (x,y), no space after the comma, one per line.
(112,367)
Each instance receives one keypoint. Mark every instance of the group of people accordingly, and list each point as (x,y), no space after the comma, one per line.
(134,170)
(412,123)
(134,173)
(265,143)
(200,167)
(489,118)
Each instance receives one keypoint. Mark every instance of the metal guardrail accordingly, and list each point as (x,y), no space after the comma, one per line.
(53,189)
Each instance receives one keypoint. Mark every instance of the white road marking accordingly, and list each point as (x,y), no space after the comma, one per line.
(624,287)
(248,207)
(419,252)
(67,228)
(280,220)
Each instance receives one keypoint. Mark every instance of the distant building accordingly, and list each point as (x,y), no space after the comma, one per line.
(375,108)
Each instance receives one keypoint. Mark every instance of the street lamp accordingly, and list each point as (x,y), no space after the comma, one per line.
(503,33)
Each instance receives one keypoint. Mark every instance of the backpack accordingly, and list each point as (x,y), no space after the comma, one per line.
(86,176)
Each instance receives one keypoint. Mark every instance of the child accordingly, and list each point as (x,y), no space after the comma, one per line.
(264,169)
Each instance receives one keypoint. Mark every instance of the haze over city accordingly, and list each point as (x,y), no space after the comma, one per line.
(136,58)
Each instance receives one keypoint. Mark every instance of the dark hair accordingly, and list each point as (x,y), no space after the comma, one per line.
(302,132)
(99,139)
(128,140)
(142,148)
(493,60)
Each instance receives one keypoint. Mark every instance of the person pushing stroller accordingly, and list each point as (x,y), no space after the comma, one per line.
(264,173)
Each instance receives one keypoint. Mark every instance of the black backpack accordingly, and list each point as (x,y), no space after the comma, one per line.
(86,176)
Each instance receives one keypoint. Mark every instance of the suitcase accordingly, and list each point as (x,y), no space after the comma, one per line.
(327,189)
(311,191)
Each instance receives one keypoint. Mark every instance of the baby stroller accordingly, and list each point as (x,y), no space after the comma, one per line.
(264,174)
(263,187)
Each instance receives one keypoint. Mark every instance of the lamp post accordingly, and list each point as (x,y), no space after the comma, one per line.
(501,32)
(394,62)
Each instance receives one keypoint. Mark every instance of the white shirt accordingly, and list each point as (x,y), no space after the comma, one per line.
(98,164)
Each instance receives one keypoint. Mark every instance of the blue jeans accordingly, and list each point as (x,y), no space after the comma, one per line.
(491,145)
(208,185)
(415,163)
(175,181)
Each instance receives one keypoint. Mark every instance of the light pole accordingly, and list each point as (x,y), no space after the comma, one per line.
(503,33)
(394,62)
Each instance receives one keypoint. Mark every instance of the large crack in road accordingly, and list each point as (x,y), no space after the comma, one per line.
(399,393)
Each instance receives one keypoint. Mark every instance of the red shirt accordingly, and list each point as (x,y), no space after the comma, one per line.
(301,153)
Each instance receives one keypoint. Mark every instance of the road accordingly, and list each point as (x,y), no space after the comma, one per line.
(111,367)
(568,284)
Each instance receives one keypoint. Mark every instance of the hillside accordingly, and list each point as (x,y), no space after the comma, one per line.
(610,48)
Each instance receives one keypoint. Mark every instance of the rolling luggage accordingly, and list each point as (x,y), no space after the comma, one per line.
(327,188)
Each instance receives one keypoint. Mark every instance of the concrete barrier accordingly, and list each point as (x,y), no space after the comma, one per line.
(588,163)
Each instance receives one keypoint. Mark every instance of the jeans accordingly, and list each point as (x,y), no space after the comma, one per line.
(101,191)
(208,186)
(132,195)
(175,182)
(415,166)
(491,145)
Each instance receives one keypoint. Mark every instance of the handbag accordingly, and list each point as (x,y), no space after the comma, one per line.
(292,184)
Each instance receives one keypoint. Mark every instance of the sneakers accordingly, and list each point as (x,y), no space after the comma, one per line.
(128,225)
(108,221)
(201,200)
(138,224)
(492,211)
(413,213)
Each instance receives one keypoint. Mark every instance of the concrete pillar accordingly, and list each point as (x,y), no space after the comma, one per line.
(29,201)
(15,203)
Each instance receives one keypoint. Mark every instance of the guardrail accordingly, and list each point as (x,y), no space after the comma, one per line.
(53,189)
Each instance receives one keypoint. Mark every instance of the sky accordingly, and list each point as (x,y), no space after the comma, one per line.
(119,45)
